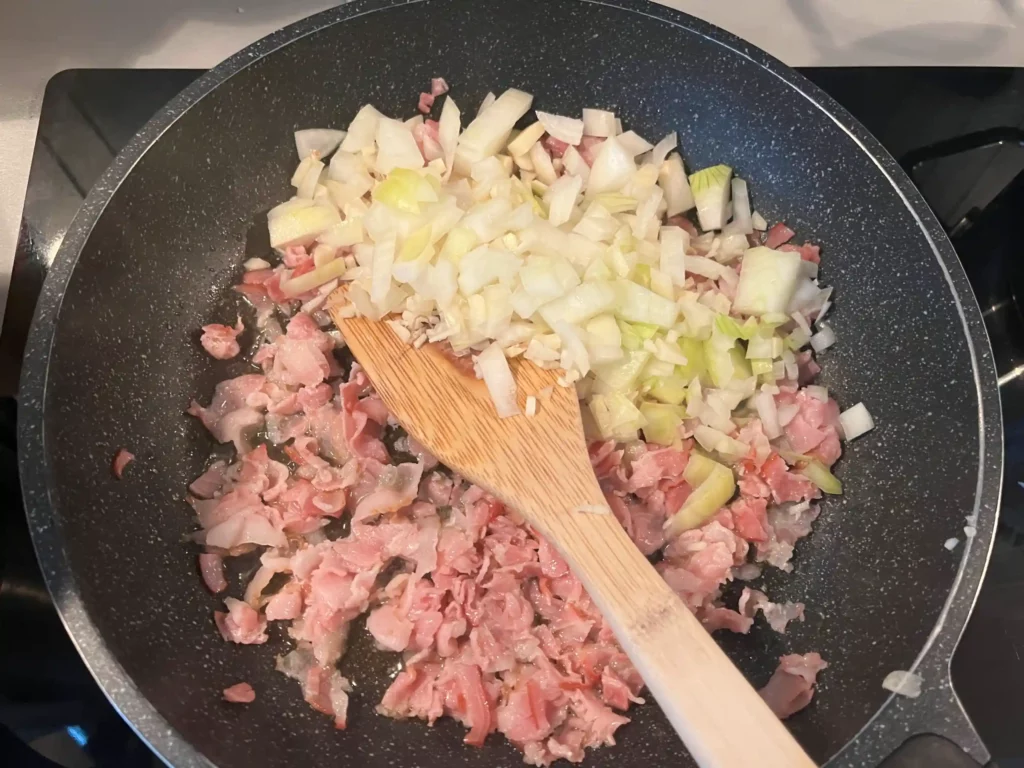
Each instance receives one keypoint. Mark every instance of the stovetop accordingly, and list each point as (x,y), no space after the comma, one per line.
(47,697)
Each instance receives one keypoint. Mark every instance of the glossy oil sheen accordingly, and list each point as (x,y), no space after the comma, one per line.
(123,364)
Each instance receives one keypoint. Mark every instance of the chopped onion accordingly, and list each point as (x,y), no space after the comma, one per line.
(599,122)
(612,168)
(492,367)
(448,133)
(855,421)
(662,148)
(561,198)
(634,144)
(904,683)
(787,413)
(970,531)
(769,415)
(487,101)
(542,164)
(758,222)
(567,129)
(823,339)
(323,141)
(741,217)
(672,178)
(674,241)
(362,130)
(383,261)
(254,264)
(575,164)
(488,133)
(524,142)
(951,544)
(396,147)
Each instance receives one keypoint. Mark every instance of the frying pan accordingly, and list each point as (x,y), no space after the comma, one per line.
(112,362)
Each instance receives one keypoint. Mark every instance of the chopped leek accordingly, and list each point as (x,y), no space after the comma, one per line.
(662,423)
(710,188)
(714,485)
(767,281)
(670,390)
(820,475)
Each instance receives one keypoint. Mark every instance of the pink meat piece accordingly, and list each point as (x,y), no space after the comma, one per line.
(750,518)
(778,235)
(389,628)
(212,569)
(700,560)
(555,147)
(778,615)
(121,460)
(241,624)
(715,617)
(683,223)
(396,490)
(438,86)
(425,103)
(657,464)
(286,604)
(786,526)
(786,485)
(414,693)
(296,256)
(815,421)
(299,357)
(427,136)
(209,484)
(221,341)
(589,147)
(240,693)
(228,417)
(791,687)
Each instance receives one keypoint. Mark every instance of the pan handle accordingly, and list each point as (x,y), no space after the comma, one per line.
(931,731)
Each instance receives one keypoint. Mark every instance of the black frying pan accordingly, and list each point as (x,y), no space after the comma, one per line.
(112,361)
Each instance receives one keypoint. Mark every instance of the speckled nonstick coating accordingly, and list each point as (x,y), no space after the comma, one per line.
(113,361)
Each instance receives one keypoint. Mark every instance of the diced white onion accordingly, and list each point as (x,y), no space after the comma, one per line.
(612,168)
(787,413)
(362,130)
(599,122)
(904,683)
(561,198)
(855,421)
(768,413)
(488,133)
(634,144)
(662,148)
(741,217)
(323,141)
(492,367)
(823,339)
(567,129)
(758,222)
(951,544)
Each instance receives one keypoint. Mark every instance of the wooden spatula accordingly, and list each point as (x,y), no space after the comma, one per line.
(539,466)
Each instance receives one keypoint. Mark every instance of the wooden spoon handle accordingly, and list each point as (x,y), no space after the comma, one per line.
(719,716)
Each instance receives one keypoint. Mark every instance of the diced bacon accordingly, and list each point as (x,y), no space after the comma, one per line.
(240,693)
(391,630)
(555,147)
(425,103)
(221,341)
(715,617)
(589,147)
(786,485)
(438,86)
(212,569)
(426,135)
(121,460)
(778,235)
(286,604)
(496,631)
(791,687)
(657,464)
(683,223)
(241,624)
(810,252)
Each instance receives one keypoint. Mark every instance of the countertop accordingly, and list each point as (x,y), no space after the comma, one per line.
(41,38)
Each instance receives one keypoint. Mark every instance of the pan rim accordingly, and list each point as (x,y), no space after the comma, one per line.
(896,714)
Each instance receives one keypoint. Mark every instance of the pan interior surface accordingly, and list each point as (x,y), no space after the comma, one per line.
(125,364)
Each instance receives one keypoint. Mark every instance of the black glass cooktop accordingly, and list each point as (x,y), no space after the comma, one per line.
(957,130)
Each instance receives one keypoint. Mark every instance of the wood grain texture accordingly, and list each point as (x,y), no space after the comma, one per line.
(539,465)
